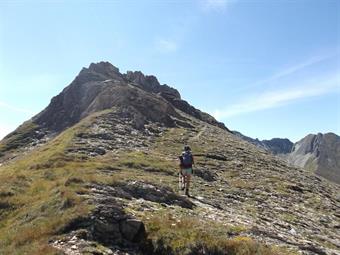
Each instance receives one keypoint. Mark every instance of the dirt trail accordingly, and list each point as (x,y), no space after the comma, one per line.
(199,134)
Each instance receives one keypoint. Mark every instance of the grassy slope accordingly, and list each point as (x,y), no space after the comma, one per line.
(20,137)
(38,201)
(38,196)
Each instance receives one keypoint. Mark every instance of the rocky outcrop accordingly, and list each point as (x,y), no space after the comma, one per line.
(108,224)
(151,84)
(189,109)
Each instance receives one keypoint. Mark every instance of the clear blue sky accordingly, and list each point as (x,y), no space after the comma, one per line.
(265,68)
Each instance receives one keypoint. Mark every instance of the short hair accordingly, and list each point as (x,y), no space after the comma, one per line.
(187,148)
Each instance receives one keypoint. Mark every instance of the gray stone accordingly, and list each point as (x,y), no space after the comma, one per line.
(133,230)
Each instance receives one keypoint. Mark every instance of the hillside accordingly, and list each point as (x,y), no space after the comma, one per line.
(96,172)
(318,153)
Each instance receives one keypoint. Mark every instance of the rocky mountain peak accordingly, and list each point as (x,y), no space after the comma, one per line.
(100,71)
(309,144)
(103,67)
(139,78)
(318,153)
(150,83)
(102,87)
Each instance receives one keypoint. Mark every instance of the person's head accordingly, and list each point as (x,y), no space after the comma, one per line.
(187,148)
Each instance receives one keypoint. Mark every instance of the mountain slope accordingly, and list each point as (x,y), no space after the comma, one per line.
(318,153)
(109,183)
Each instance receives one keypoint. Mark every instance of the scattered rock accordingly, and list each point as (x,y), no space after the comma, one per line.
(296,188)
(133,230)
(150,192)
(205,174)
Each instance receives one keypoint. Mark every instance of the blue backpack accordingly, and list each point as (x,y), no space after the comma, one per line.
(187,159)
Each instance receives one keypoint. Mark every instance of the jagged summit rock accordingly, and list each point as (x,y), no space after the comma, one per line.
(151,84)
(100,71)
(104,67)
(148,82)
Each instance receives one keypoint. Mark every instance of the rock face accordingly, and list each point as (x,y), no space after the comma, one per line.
(151,84)
(319,153)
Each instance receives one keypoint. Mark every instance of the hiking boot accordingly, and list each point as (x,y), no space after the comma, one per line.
(187,193)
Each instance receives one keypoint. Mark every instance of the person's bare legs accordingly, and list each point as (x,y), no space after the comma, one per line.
(187,184)
(182,182)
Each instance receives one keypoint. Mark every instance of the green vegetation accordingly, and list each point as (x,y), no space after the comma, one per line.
(20,137)
(39,196)
(189,235)
(147,161)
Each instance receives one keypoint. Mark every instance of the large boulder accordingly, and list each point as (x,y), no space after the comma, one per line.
(132,230)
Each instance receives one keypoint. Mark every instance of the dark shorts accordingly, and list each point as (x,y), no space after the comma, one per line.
(187,171)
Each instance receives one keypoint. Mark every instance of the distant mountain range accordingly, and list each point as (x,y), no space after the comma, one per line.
(275,145)
(319,153)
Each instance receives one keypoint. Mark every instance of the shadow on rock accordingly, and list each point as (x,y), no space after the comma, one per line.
(150,192)
(205,174)
(109,225)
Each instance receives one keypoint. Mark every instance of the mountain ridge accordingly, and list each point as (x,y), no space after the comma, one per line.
(99,87)
(275,145)
(318,153)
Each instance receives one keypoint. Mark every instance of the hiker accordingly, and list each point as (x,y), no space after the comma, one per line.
(186,162)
